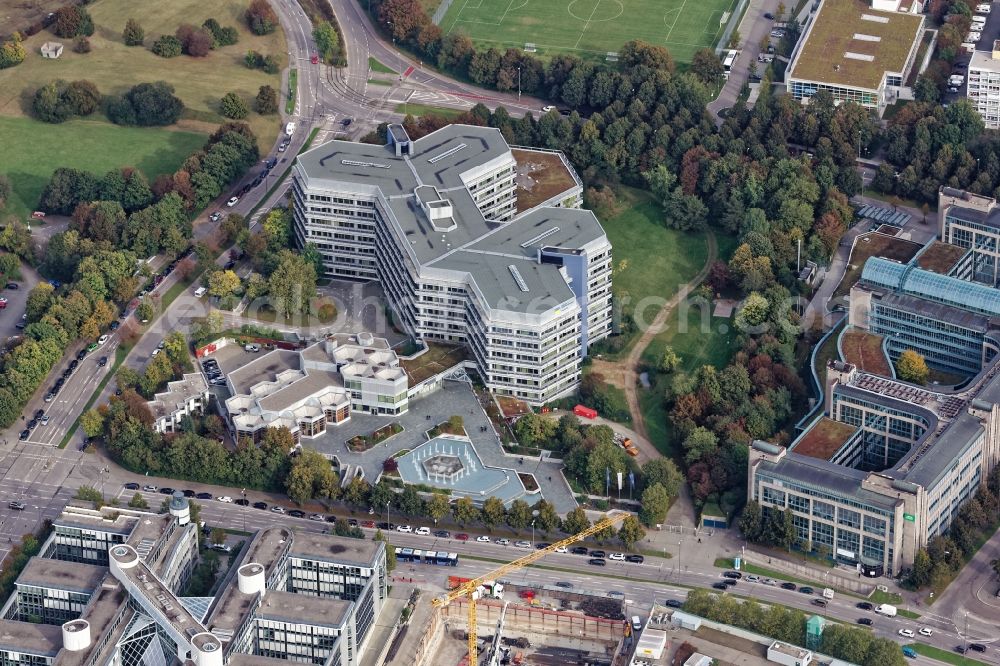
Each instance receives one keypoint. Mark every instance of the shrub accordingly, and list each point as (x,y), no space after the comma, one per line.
(72,21)
(12,52)
(261,18)
(221,36)
(57,101)
(233,106)
(195,42)
(81,45)
(146,104)
(167,46)
(267,100)
(133,35)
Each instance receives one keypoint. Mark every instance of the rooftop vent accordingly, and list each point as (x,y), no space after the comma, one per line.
(874,19)
(540,237)
(859,56)
(372,165)
(521,284)
(447,153)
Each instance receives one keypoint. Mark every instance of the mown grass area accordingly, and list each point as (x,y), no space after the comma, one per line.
(293,83)
(32,150)
(418,110)
(376,65)
(945,655)
(114,67)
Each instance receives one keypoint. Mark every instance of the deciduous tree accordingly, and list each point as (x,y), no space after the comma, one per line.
(133,34)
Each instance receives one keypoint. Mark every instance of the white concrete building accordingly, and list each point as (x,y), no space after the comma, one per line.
(185,397)
(306,390)
(436,221)
(983,85)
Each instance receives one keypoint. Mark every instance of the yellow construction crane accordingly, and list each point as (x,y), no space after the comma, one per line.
(470,589)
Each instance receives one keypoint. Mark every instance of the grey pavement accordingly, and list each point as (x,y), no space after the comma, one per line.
(10,316)
(753,27)
(454,398)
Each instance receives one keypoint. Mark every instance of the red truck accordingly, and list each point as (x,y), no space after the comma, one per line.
(585,412)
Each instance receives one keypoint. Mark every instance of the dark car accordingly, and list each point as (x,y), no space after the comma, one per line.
(167,491)
(188,492)
(673,603)
(564,584)
(331,519)
(978,647)
(242,502)
(260,505)
(597,562)
(720,586)
(788,586)
(864,605)
(32,423)
(80,354)
(867,621)
(346,122)
(635,559)
(132,486)
(205,496)
(542,546)
(351,522)
(103,361)
(819,602)
(383,526)
(729,582)
(769,16)
(442,534)
(960,649)
(114,326)
(735,575)
(73,364)
(13,285)
(295,513)
(598,554)
(579,550)
(806,590)
(25,434)
(39,413)
(66,373)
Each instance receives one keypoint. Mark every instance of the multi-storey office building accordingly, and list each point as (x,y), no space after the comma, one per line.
(983,85)
(857,53)
(127,613)
(436,221)
(972,222)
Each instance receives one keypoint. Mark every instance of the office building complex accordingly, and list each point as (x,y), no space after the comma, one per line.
(289,596)
(322,384)
(187,396)
(983,85)
(857,52)
(888,464)
(437,221)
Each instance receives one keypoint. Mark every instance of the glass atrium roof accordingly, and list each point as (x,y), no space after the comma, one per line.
(913,281)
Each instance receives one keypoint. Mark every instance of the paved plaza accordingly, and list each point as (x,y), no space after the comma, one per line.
(454,398)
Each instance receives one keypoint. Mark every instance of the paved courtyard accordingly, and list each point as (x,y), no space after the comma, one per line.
(454,398)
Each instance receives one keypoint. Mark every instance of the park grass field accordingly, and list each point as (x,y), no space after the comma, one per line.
(114,67)
(32,150)
(590,27)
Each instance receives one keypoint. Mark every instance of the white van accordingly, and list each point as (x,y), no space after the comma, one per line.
(978,20)
(983,8)
(636,623)
(968,47)
(199,292)
(290,128)
(827,593)
(886,609)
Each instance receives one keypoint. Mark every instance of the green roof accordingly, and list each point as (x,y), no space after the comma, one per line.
(851,44)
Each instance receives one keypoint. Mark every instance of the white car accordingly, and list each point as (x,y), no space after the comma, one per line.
(101,340)
(423,531)
(983,8)
(232,201)
(45,420)
(547,108)
(404,528)
(503,542)
(523,544)
(274,509)
(925,631)
(906,633)
(562,549)
(618,557)
(225,498)
(974,37)
(753,579)
(483,539)
(155,352)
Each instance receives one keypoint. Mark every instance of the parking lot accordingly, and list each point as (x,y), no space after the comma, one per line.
(990,32)
(10,316)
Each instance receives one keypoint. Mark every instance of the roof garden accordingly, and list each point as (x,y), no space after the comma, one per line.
(874,245)
(851,44)
(540,176)
(824,439)
(940,257)
(864,351)
(435,360)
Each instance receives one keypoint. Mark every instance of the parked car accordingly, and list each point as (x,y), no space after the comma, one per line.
(189,493)
(242,502)
(149,488)
(368,524)
(906,633)
(636,559)
(788,586)
(225,498)
(232,201)
(503,542)
(673,603)
(277,509)
(720,586)
(222,548)
(576,550)
(462,537)
(318,517)
(404,528)
(131,485)
(617,557)
(17,506)
(167,491)
(864,605)
(769,16)
(297,513)
(564,584)
(735,575)
(867,621)
(597,562)
(978,647)
(204,496)
(483,538)
(598,554)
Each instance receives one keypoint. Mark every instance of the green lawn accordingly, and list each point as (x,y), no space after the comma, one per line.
(946,656)
(376,66)
(424,109)
(589,27)
(293,82)
(114,67)
(32,150)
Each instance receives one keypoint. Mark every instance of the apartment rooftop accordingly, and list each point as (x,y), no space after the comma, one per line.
(113,520)
(851,44)
(30,638)
(62,575)
(508,283)
(302,609)
(352,552)
(986,60)
(177,394)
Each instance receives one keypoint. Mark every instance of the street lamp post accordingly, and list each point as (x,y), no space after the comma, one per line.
(387,523)
(244,493)
(518,83)
(680,549)
(532,533)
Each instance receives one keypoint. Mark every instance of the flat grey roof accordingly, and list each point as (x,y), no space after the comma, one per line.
(984,60)
(122,525)
(330,548)
(62,575)
(428,244)
(302,609)
(991,219)
(940,311)
(826,476)
(361,164)
(440,157)
(231,605)
(543,227)
(315,380)
(546,285)
(263,368)
(36,639)
(240,659)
